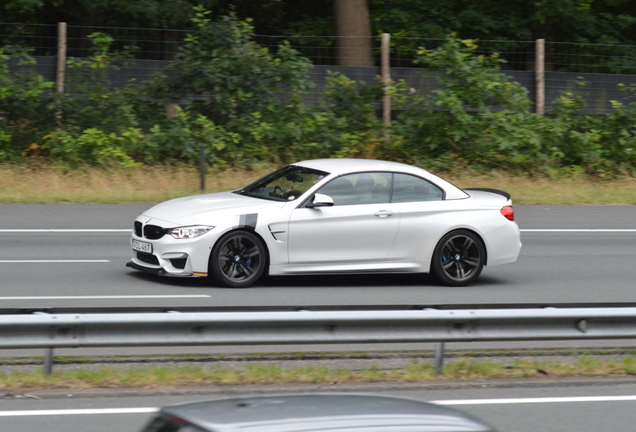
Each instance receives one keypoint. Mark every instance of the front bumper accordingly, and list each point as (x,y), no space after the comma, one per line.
(167,256)
(160,271)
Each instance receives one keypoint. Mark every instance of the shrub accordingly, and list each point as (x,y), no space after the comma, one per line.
(26,107)
(226,75)
(246,104)
(479,117)
(91,99)
(96,146)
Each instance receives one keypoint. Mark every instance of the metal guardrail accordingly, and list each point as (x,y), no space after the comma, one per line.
(312,308)
(174,328)
(307,327)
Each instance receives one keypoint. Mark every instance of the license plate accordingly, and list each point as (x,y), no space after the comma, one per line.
(141,246)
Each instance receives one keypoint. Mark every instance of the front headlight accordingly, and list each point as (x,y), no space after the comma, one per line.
(189,232)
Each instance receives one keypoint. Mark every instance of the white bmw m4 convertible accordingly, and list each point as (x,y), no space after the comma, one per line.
(330,216)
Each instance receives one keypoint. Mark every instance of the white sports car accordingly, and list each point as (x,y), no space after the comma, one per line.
(330,216)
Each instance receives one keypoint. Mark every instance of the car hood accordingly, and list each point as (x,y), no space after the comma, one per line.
(198,209)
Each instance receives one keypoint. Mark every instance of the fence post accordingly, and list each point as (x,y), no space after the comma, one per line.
(539,75)
(60,72)
(386,80)
(202,165)
(61,57)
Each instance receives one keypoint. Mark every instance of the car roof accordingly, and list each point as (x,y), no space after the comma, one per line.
(320,411)
(343,166)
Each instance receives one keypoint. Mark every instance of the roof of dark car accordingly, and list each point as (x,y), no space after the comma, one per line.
(320,412)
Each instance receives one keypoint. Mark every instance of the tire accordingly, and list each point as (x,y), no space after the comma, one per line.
(237,260)
(459,258)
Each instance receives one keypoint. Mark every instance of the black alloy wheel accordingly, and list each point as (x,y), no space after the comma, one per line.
(238,259)
(458,258)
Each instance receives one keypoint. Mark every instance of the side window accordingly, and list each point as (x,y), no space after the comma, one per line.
(362,188)
(408,188)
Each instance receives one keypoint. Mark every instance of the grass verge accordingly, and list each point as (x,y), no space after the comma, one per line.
(47,184)
(171,377)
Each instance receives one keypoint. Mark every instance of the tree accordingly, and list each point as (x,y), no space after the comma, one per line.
(108,13)
(227,74)
(583,21)
(353,32)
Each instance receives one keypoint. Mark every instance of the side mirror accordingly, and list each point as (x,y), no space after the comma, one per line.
(320,200)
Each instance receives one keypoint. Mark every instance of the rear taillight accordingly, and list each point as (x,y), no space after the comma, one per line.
(508,212)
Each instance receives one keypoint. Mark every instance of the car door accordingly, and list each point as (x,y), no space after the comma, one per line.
(359,228)
(424,216)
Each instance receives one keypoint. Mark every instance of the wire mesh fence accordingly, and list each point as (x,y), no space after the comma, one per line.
(39,39)
(516,55)
(590,58)
(319,50)
(147,51)
(140,43)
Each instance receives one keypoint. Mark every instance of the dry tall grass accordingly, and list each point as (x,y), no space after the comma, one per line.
(571,190)
(151,184)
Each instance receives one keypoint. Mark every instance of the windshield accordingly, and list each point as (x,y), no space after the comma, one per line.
(285,184)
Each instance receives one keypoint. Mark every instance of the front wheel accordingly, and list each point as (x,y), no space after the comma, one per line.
(458,258)
(238,259)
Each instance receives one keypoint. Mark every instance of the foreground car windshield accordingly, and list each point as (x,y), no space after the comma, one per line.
(285,184)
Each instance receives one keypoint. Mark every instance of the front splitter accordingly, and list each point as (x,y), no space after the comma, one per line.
(162,272)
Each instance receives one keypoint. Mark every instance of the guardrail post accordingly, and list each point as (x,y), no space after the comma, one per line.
(48,361)
(439,358)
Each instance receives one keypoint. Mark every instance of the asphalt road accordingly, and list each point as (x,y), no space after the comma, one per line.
(554,266)
(509,408)
(86,268)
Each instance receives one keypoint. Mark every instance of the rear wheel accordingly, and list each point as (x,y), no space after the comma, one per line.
(458,258)
(238,259)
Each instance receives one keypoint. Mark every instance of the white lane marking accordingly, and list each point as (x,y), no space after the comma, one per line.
(579,230)
(52,261)
(78,412)
(145,410)
(63,230)
(601,230)
(108,297)
(535,400)
(123,230)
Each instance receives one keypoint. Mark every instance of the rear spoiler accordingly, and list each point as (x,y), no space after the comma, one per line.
(495,191)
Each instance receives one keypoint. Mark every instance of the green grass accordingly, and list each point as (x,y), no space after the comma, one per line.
(171,377)
(48,184)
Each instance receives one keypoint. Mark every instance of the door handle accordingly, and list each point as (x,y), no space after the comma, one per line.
(383,213)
